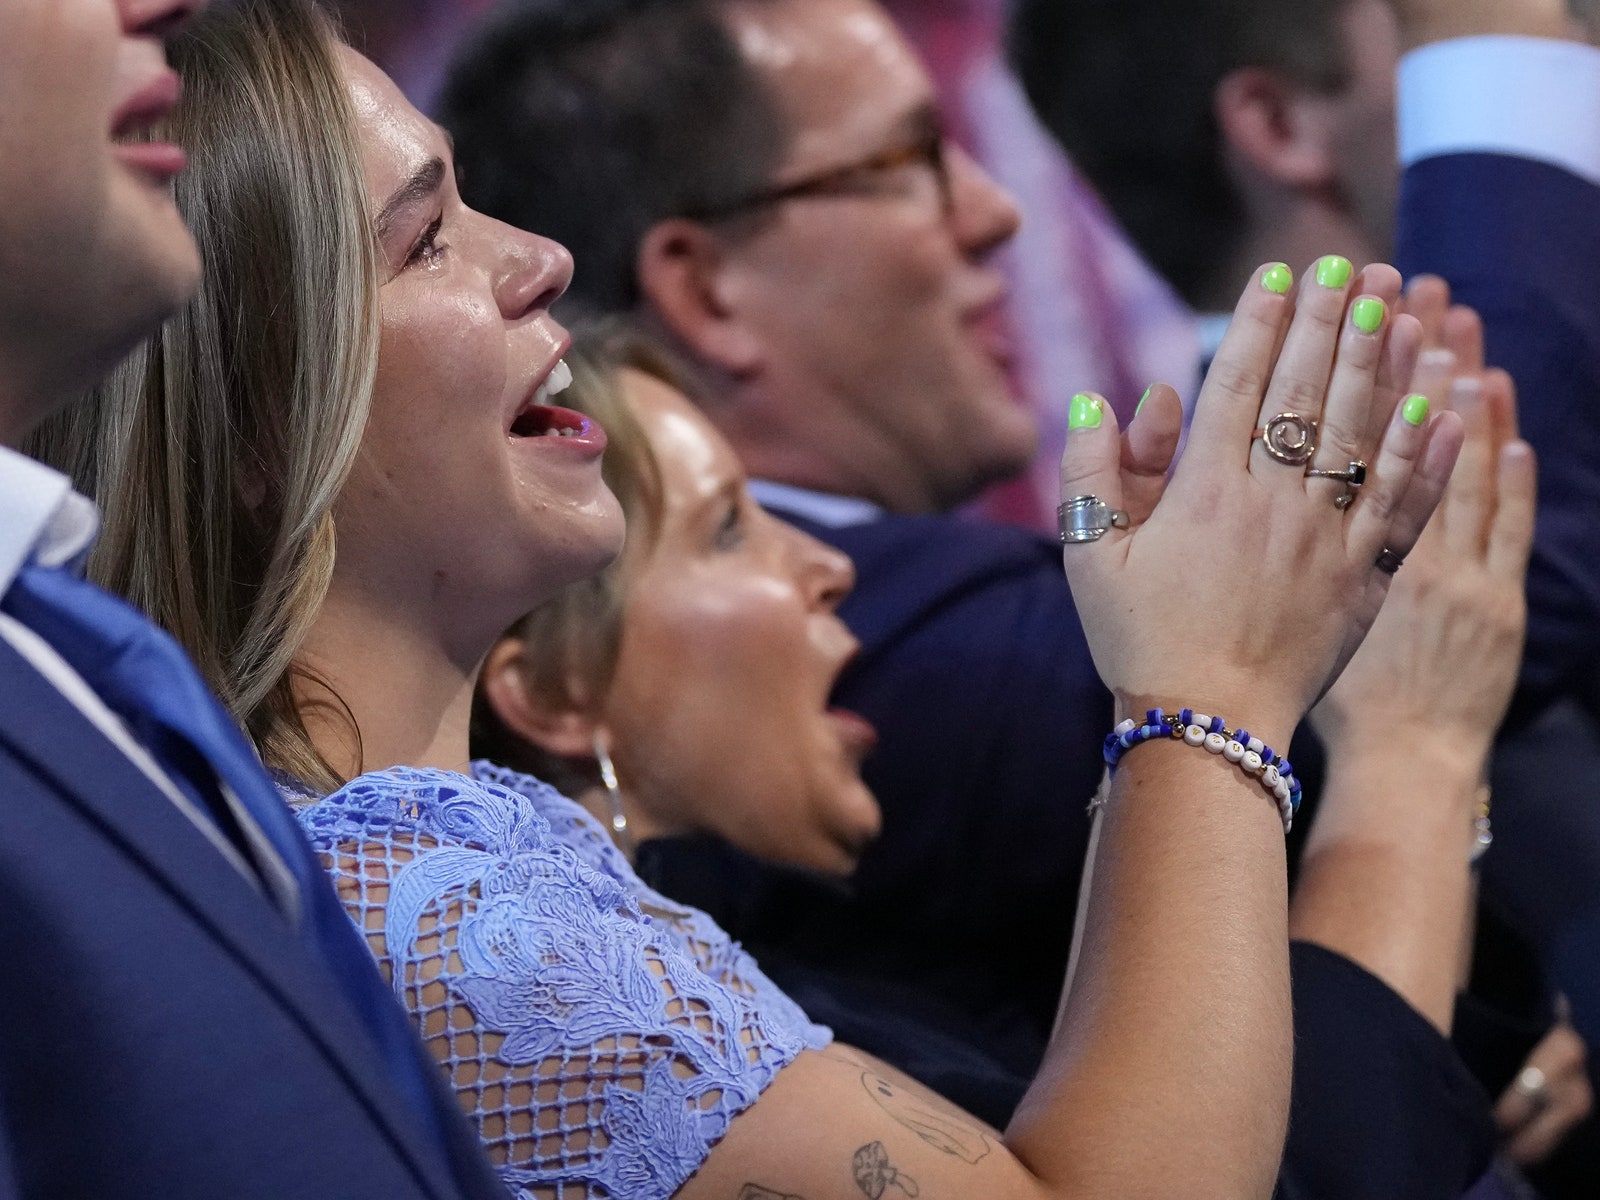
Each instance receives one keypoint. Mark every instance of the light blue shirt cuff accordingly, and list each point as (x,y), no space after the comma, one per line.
(1535,98)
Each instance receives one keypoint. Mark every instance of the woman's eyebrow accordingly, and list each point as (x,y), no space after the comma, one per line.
(422,185)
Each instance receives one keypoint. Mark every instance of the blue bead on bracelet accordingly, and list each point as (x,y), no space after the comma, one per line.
(1257,759)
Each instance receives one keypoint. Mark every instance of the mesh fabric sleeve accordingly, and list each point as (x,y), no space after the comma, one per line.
(596,1055)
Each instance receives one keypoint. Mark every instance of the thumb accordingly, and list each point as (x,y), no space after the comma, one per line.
(1091,465)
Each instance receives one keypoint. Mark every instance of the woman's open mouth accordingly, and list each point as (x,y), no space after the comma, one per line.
(538,419)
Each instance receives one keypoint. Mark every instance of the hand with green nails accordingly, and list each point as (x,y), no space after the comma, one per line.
(1422,699)
(1337,357)
(1239,589)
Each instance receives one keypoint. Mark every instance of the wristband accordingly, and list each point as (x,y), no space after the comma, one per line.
(1253,756)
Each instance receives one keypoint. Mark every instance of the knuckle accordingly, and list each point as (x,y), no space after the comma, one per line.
(1237,378)
(1298,394)
(1380,502)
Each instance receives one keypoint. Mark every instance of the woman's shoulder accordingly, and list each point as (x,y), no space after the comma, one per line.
(530,961)
(442,806)
(695,932)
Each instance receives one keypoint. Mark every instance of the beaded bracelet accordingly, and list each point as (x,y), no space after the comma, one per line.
(1257,759)
(1483,833)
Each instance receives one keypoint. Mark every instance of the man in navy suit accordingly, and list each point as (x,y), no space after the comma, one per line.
(178,1019)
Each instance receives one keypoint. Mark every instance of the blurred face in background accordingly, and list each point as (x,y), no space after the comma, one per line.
(872,289)
(93,253)
(718,713)
(1366,159)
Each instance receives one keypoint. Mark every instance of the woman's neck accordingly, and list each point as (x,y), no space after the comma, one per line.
(407,691)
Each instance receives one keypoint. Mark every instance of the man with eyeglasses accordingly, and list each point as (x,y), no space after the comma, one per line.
(764,182)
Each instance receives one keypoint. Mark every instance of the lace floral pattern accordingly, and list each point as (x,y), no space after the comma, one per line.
(601,1036)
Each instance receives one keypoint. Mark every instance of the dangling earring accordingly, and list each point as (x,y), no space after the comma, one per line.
(608,776)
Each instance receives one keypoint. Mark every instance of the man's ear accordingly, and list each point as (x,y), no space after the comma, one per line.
(686,278)
(1276,130)
(564,732)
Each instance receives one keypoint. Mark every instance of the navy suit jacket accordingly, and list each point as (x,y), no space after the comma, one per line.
(1520,242)
(163,1033)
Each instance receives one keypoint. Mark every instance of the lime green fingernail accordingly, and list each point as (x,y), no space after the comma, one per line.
(1085,413)
(1278,279)
(1143,398)
(1415,409)
(1368,313)
(1333,271)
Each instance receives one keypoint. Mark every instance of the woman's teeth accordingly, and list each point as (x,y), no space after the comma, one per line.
(559,381)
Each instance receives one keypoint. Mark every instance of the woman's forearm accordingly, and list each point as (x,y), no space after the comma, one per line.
(1386,879)
(1171,1063)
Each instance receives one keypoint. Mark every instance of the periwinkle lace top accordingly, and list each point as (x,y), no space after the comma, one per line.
(601,1036)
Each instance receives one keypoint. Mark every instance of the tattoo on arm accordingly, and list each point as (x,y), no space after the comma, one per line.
(942,1128)
(875,1175)
(754,1191)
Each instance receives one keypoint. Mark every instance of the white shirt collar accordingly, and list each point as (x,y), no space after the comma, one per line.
(836,512)
(41,518)
(1535,98)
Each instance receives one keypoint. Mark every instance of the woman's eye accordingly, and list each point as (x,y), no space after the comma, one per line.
(428,249)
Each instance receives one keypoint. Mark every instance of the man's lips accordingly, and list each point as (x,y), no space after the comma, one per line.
(140,113)
(154,100)
(163,160)
(992,331)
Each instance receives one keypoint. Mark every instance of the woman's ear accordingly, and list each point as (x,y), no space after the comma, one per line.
(685,277)
(560,730)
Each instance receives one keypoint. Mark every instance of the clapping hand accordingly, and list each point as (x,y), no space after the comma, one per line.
(1442,657)
(1246,586)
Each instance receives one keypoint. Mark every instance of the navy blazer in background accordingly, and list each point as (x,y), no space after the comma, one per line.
(163,1031)
(1520,241)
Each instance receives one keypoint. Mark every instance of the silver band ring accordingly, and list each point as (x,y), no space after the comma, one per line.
(1532,1085)
(1289,438)
(1389,562)
(1088,519)
(1352,477)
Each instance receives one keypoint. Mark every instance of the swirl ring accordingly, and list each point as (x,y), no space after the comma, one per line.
(1289,438)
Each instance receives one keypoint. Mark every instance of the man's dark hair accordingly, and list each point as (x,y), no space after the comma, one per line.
(589,121)
(1128,86)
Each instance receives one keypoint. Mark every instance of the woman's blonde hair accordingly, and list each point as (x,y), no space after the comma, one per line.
(217,451)
(568,646)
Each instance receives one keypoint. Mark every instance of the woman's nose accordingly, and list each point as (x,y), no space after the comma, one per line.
(534,273)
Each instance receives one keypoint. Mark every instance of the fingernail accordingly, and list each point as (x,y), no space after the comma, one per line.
(1368,313)
(1466,399)
(1437,360)
(1143,398)
(1085,412)
(1415,409)
(1278,279)
(1333,271)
